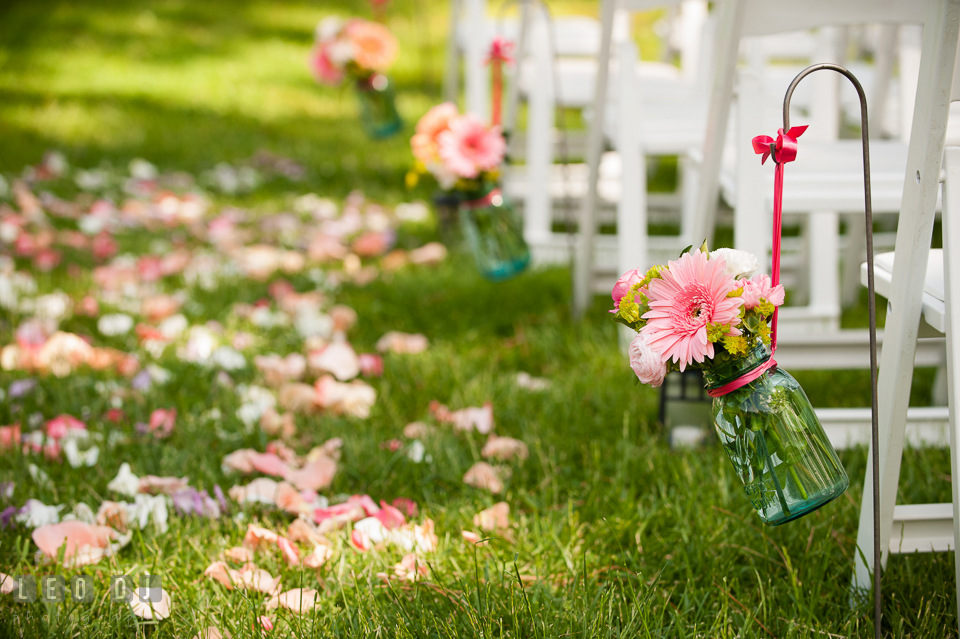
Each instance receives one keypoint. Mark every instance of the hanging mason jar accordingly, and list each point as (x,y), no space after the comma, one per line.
(495,235)
(776,443)
(446,205)
(378,109)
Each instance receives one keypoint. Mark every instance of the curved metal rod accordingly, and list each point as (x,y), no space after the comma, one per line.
(871,303)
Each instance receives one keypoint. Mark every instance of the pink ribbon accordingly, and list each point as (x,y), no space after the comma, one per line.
(480,202)
(500,50)
(783,149)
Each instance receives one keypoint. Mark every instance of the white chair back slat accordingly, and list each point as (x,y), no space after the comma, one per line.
(646,5)
(765,17)
(576,36)
(693,20)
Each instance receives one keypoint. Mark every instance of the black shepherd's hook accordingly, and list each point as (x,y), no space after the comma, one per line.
(871,303)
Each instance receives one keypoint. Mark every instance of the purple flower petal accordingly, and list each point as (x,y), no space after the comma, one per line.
(141,381)
(220,498)
(7,514)
(21,387)
(184,501)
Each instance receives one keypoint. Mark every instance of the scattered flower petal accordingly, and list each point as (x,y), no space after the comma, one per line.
(494,518)
(396,342)
(485,477)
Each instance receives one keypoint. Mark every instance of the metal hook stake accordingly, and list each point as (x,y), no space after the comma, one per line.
(872,305)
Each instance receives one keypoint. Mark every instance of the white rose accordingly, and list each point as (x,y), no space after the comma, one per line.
(740,264)
(340,52)
(646,362)
(114,324)
(328,29)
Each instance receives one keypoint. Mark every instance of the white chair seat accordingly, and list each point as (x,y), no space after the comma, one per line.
(934,309)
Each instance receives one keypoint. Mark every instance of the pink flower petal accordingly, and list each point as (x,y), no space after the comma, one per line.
(389,516)
(299,600)
(360,541)
(79,537)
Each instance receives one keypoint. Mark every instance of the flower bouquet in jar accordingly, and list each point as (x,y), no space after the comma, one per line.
(709,311)
(362,52)
(464,155)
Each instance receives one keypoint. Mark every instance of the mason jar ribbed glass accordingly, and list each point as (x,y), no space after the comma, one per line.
(777,445)
(378,107)
(494,234)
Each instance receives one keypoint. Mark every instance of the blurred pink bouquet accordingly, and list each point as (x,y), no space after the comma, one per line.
(700,311)
(459,150)
(356,48)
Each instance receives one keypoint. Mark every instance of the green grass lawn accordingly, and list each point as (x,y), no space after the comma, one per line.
(612,533)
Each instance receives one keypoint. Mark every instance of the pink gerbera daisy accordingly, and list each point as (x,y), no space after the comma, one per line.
(425,142)
(470,146)
(691,295)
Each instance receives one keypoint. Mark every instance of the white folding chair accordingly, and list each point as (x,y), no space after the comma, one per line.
(471,32)
(826,178)
(919,283)
(573,69)
(675,124)
(636,131)
(473,28)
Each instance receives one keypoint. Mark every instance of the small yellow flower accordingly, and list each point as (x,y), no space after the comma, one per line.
(765,308)
(629,310)
(716,332)
(411,179)
(652,273)
(763,332)
(735,345)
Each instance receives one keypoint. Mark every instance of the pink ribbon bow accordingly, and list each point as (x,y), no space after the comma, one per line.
(786,145)
(785,150)
(501,50)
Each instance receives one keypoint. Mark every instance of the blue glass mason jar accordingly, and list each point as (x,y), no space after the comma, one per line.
(495,235)
(378,107)
(776,443)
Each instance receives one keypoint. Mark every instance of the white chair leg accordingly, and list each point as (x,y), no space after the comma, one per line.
(915,231)
(951,268)
(693,15)
(583,259)
(476,76)
(752,222)
(513,92)
(823,286)
(632,249)
(537,215)
(823,227)
(856,246)
(883,74)
(910,42)
(689,174)
(632,207)
(451,72)
(726,52)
